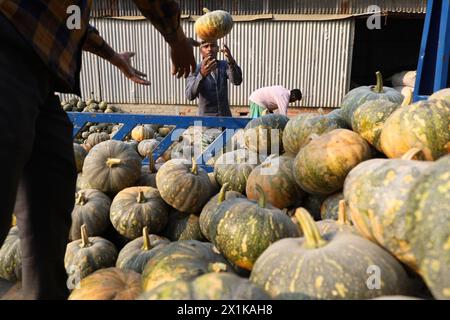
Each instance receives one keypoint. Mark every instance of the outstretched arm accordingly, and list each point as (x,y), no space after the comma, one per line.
(234,72)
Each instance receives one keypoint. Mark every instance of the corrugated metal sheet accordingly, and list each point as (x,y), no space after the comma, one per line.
(314,56)
(104,8)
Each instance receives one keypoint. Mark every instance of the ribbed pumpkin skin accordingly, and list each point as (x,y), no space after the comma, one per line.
(322,165)
(140,133)
(11,257)
(264,135)
(93,211)
(146,146)
(338,270)
(428,226)
(211,286)
(213,25)
(234,168)
(98,255)
(95,138)
(241,230)
(423,125)
(80,155)
(330,207)
(108,284)
(181,260)
(209,210)
(369,118)
(182,189)
(183,226)
(276,177)
(112,179)
(137,207)
(134,257)
(299,129)
(376,192)
(356,97)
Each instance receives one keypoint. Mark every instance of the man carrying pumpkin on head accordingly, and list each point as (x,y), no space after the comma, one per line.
(40,55)
(209,82)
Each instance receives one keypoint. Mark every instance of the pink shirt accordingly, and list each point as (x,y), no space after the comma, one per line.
(275,97)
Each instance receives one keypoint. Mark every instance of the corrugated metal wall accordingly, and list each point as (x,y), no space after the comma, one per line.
(103,8)
(313,56)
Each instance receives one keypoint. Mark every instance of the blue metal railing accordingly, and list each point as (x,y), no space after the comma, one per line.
(181,123)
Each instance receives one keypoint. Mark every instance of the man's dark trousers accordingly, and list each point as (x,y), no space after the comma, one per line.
(37,163)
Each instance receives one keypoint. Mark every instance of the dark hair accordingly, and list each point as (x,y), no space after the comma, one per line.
(296,95)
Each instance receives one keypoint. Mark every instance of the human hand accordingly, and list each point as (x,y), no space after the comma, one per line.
(123,62)
(182,55)
(226,51)
(209,64)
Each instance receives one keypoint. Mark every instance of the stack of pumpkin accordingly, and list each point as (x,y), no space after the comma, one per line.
(91,105)
(354,204)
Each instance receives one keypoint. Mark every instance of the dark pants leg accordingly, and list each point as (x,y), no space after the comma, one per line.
(36,151)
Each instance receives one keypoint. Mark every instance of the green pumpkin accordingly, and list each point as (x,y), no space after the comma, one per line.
(376,192)
(210,286)
(145,147)
(210,209)
(183,185)
(322,165)
(276,178)
(234,167)
(334,266)
(88,254)
(356,97)
(242,229)
(424,125)
(183,226)
(148,173)
(336,116)
(428,226)
(329,208)
(11,257)
(369,118)
(92,209)
(299,130)
(80,154)
(135,254)
(264,135)
(112,166)
(137,207)
(341,224)
(95,138)
(82,183)
(182,260)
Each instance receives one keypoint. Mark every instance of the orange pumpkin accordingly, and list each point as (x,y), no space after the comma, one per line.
(213,25)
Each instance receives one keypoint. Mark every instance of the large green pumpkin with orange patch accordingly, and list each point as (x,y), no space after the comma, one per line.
(322,165)
(334,266)
(182,260)
(424,125)
(242,229)
(276,178)
(210,286)
(108,284)
(183,185)
(299,130)
(356,97)
(137,207)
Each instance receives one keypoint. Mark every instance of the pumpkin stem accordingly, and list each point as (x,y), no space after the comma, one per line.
(206,10)
(411,153)
(84,237)
(342,216)
(217,267)
(194,169)
(80,199)
(111,162)
(151,162)
(408,98)
(313,239)
(262,201)
(379,86)
(146,245)
(223,193)
(141,197)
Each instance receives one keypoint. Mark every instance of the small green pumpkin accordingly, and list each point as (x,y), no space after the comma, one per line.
(88,254)
(95,138)
(182,260)
(210,286)
(147,146)
(141,132)
(11,257)
(137,207)
(330,206)
(80,154)
(341,224)
(183,226)
(135,254)
(92,209)
(338,265)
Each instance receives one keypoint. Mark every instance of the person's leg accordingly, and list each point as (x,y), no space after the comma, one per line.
(45,203)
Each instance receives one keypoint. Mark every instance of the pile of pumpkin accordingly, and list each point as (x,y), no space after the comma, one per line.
(90,105)
(353,204)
